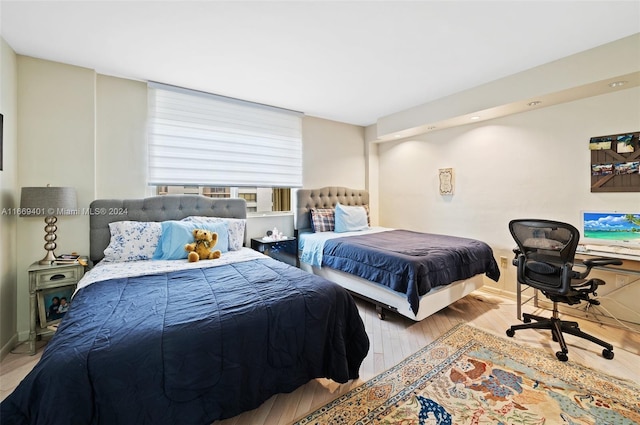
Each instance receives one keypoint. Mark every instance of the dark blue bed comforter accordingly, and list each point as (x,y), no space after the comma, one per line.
(190,347)
(410,262)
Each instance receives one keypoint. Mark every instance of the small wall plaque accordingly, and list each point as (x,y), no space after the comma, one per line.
(446,181)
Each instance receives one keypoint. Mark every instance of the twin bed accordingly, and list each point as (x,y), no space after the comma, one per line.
(410,273)
(172,342)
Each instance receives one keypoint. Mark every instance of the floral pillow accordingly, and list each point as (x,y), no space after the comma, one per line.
(132,241)
(235,228)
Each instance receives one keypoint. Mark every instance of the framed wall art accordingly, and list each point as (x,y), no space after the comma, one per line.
(446,181)
(614,162)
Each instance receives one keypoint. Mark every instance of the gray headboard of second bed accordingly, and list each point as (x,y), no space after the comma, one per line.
(325,197)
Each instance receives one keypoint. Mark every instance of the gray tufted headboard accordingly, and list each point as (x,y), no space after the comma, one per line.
(155,208)
(325,197)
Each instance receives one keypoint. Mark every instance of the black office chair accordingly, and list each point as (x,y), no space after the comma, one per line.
(545,260)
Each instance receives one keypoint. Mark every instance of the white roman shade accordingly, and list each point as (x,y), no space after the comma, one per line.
(202,139)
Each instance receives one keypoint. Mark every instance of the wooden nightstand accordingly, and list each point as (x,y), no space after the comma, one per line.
(46,283)
(285,250)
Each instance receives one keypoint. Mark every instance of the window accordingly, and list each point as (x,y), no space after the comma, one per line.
(206,141)
(259,199)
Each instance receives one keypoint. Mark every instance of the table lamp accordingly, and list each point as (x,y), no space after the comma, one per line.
(48,202)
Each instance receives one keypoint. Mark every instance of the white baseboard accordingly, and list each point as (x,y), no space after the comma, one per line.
(577,312)
(6,349)
(496,291)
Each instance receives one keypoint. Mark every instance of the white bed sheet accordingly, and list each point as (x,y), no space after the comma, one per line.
(107,270)
(311,245)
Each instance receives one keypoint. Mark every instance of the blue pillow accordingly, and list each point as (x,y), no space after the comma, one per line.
(176,234)
(350,219)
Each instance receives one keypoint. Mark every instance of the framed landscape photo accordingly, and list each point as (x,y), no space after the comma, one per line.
(53,304)
(601,169)
(631,167)
(600,143)
(624,143)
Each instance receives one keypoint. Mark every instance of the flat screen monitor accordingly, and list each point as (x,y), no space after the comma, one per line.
(611,228)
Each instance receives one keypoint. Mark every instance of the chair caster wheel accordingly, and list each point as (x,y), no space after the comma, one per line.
(562,356)
(510,333)
(526,319)
(607,354)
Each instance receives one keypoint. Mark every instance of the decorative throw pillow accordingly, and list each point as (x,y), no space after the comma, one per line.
(322,219)
(350,218)
(235,227)
(132,240)
(366,208)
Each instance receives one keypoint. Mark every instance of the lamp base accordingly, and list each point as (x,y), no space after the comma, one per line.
(48,259)
(50,239)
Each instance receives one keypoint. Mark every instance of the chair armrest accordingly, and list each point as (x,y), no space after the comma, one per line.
(595,262)
(516,252)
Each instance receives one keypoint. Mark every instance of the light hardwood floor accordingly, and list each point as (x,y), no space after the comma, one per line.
(396,338)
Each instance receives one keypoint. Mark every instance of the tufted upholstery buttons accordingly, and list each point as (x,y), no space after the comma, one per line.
(326,197)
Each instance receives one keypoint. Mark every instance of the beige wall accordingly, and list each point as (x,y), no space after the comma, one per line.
(56,135)
(86,130)
(333,154)
(534,164)
(9,198)
(121,155)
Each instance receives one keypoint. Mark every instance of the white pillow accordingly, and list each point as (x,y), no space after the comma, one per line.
(132,240)
(350,219)
(235,227)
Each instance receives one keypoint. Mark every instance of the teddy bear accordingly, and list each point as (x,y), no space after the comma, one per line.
(201,249)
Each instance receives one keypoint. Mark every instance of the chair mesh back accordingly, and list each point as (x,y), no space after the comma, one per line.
(548,246)
(547,238)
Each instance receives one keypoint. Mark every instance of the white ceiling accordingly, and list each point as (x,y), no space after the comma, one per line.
(347,61)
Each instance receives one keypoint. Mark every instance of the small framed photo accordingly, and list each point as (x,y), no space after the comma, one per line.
(624,143)
(601,169)
(53,304)
(631,167)
(600,143)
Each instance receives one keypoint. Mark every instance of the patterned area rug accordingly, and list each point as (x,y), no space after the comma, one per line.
(469,376)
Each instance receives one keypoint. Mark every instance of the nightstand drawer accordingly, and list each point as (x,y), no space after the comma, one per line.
(58,277)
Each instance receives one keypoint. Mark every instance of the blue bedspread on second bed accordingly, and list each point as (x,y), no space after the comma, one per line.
(190,346)
(410,262)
